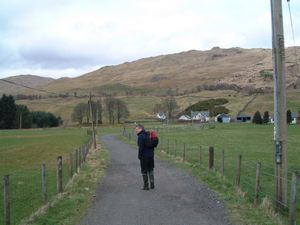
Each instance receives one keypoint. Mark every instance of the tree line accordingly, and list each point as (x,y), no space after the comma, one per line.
(265,119)
(14,116)
(170,107)
(115,110)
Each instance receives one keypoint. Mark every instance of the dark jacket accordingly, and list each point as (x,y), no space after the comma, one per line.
(144,152)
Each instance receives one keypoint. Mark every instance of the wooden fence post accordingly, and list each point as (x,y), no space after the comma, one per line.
(83,155)
(6,200)
(238,172)
(211,158)
(257,183)
(79,158)
(76,161)
(175,148)
(71,165)
(59,175)
(293,206)
(168,146)
(223,163)
(44,183)
(200,154)
(87,149)
(183,152)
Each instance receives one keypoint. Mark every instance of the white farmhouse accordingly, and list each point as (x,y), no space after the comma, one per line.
(184,118)
(160,116)
(202,116)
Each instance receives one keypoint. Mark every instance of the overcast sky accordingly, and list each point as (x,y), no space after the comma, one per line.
(72,37)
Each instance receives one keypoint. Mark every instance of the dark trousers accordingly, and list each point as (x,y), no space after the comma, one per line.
(147,164)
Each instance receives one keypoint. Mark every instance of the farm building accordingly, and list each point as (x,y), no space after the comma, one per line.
(184,118)
(160,116)
(202,116)
(243,118)
(295,117)
(271,119)
(222,118)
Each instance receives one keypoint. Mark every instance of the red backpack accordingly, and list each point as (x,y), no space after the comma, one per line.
(152,139)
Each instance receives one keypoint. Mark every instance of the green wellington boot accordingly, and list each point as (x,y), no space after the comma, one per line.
(146,184)
(151,177)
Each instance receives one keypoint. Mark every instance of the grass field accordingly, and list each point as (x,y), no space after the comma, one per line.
(142,106)
(254,142)
(22,153)
(69,209)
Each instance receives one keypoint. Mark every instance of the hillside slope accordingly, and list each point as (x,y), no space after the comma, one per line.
(215,69)
(32,81)
(235,74)
(224,68)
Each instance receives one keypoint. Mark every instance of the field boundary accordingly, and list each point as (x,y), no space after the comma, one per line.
(251,178)
(66,170)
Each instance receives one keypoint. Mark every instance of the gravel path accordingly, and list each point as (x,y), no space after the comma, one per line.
(178,198)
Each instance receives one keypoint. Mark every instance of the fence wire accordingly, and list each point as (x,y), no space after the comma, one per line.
(195,153)
(25,187)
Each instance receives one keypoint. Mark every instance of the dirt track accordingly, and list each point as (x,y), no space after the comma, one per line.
(178,199)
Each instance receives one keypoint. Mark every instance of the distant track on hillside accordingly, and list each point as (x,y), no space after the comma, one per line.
(248,103)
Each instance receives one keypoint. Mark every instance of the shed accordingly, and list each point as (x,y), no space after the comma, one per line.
(222,118)
(243,118)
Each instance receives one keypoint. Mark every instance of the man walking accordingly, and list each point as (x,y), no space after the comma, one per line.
(146,157)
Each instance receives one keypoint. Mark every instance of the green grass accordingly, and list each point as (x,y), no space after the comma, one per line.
(254,142)
(141,106)
(21,156)
(239,209)
(70,208)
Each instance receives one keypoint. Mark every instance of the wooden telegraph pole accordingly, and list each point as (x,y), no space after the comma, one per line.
(20,119)
(280,122)
(92,118)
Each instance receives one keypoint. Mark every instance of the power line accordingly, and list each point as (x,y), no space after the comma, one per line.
(293,34)
(31,88)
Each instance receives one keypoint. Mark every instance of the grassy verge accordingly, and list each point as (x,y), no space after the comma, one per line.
(22,153)
(240,210)
(68,208)
(252,141)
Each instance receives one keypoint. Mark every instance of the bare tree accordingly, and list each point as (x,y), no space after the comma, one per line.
(158,108)
(79,112)
(99,111)
(170,105)
(116,109)
(121,110)
(110,108)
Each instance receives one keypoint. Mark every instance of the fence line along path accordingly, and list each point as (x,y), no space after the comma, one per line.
(178,197)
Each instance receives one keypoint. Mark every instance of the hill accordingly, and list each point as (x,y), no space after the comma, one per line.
(233,69)
(235,74)
(216,69)
(8,85)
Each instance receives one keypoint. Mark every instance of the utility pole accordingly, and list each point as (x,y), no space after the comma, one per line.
(92,118)
(97,113)
(280,122)
(20,119)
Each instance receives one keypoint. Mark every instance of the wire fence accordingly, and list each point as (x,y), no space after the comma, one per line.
(25,191)
(255,180)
